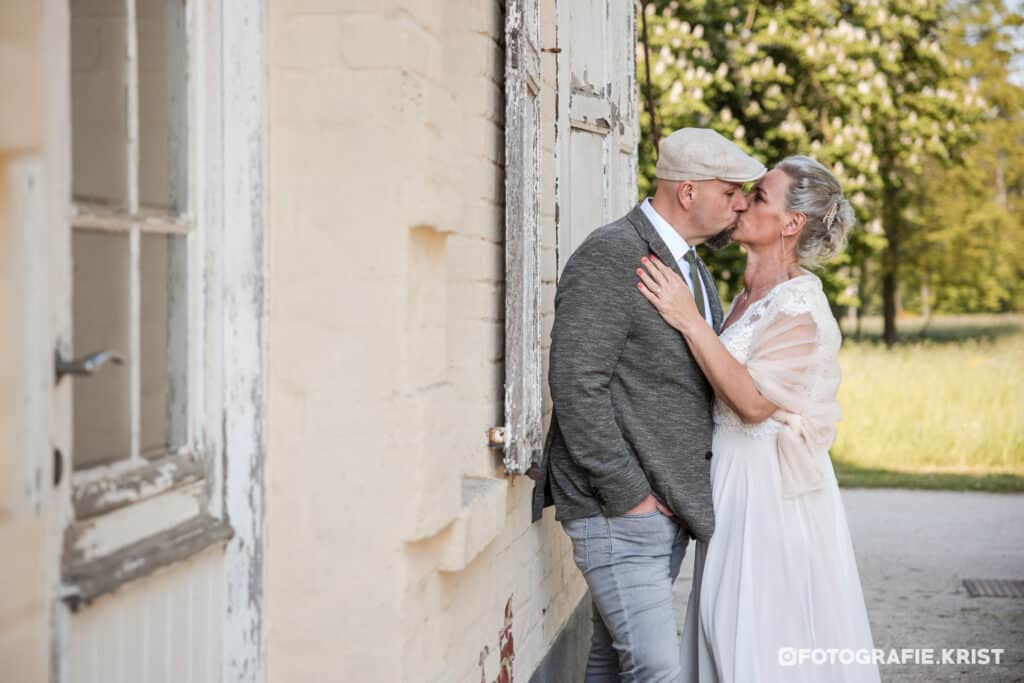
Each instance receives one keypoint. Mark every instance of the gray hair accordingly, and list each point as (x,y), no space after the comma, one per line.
(816,193)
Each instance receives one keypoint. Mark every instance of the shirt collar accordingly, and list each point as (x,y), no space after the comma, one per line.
(672,239)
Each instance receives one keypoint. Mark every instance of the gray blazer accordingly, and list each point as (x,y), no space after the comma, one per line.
(631,407)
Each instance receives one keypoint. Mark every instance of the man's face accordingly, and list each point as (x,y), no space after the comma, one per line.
(717,205)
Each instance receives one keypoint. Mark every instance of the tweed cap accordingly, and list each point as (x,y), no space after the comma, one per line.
(703,154)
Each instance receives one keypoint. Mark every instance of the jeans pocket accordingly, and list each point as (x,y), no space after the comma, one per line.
(644,532)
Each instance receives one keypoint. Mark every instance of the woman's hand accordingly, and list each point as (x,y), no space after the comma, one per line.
(669,293)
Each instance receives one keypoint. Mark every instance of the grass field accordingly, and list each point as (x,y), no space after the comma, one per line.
(941,410)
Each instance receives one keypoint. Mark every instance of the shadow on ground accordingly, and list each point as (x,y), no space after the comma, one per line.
(856,476)
(943,330)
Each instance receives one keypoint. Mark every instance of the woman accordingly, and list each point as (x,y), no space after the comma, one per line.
(779,575)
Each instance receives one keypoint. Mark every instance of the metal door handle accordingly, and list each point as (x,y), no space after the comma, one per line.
(86,365)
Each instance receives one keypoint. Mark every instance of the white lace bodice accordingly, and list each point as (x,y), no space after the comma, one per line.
(736,339)
(802,294)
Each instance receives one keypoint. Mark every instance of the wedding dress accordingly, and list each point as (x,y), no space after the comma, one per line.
(779,574)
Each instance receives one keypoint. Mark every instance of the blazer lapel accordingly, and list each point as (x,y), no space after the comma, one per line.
(650,235)
(661,250)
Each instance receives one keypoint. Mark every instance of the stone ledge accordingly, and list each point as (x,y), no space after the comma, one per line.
(481,518)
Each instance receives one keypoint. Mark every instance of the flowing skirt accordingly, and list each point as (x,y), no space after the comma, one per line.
(778,576)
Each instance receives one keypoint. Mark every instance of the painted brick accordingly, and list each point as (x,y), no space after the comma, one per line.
(403,129)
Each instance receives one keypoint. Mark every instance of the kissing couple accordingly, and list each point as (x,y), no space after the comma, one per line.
(672,421)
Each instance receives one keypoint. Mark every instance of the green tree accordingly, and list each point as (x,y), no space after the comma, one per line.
(926,111)
(863,87)
(969,251)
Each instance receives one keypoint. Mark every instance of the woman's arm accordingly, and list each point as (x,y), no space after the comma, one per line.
(732,383)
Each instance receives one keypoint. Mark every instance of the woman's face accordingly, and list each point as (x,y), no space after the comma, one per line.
(766,218)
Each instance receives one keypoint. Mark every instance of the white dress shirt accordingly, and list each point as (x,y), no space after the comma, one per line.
(678,246)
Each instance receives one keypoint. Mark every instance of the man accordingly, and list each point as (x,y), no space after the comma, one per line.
(626,460)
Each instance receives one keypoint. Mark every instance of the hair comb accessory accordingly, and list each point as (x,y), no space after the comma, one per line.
(830,215)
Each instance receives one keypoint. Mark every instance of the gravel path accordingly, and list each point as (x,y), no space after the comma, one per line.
(913,549)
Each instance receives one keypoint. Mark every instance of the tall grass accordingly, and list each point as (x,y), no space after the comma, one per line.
(944,403)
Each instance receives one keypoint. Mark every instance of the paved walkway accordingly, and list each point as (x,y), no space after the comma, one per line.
(913,550)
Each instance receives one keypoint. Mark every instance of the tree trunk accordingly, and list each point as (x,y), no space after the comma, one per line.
(926,301)
(862,296)
(889,307)
(890,259)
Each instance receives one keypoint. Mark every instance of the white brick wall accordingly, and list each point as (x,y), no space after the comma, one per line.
(385,117)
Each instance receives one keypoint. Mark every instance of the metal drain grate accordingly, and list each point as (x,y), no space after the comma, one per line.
(994,588)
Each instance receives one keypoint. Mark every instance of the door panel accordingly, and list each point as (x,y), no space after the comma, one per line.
(163,629)
(588,187)
(597,129)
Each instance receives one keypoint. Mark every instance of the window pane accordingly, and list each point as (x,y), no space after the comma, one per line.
(102,319)
(163,104)
(99,118)
(164,358)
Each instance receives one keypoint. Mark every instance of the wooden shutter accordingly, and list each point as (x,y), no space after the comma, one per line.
(597,124)
(523,417)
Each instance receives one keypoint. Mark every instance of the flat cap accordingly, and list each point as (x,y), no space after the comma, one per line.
(703,154)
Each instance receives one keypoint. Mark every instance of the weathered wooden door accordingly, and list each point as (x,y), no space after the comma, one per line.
(159,264)
(523,400)
(596,182)
(129,392)
(597,117)
(142,560)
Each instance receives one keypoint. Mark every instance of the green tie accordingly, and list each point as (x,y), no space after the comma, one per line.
(698,288)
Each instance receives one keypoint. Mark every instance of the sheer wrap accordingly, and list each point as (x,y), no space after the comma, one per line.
(793,361)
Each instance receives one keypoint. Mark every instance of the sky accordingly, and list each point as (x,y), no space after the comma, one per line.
(1017,75)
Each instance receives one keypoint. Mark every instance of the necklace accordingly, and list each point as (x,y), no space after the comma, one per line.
(764,289)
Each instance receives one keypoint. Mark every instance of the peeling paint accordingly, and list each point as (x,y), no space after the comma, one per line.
(242,450)
(506,647)
(523,395)
(129,486)
(506,651)
(598,102)
(93,538)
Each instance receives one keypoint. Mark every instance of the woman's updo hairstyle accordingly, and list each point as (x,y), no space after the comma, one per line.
(816,193)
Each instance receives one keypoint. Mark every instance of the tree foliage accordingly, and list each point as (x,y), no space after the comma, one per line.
(871,89)
(968,250)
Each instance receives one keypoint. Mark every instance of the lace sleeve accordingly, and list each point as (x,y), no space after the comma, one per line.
(792,364)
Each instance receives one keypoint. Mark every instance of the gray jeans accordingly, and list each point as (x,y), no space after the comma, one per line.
(630,563)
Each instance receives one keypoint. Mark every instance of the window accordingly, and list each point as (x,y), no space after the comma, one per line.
(131,228)
(140,455)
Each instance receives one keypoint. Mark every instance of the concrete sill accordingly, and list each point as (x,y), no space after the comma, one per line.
(480,520)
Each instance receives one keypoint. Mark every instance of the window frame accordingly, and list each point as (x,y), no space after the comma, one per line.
(133,516)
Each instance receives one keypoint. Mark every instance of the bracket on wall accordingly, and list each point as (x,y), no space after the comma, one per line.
(496,437)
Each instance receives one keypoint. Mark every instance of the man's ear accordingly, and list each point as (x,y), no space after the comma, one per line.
(795,224)
(685,193)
